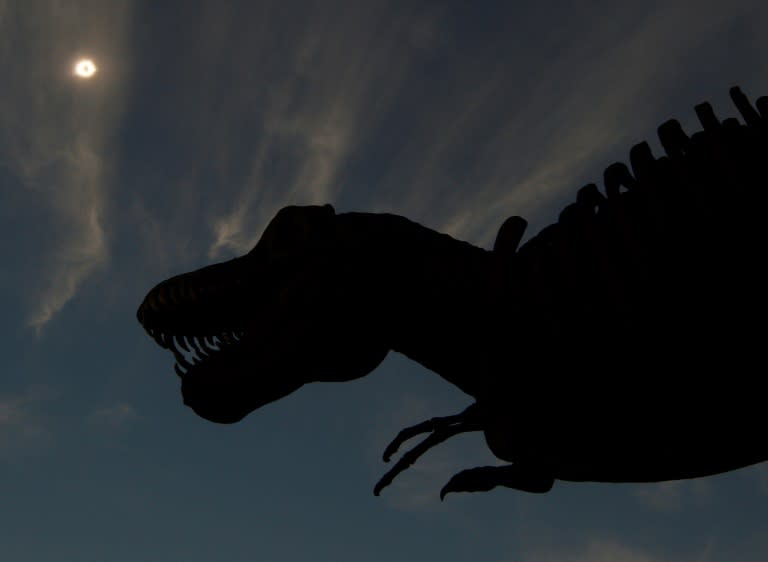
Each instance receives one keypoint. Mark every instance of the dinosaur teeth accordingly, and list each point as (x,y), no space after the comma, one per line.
(194,344)
(226,339)
(190,341)
(182,343)
(189,351)
(181,360)
(162,340)
(210,343)
(200,350)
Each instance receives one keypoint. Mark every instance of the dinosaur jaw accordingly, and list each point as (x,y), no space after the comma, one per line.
(232,381)
(213,371)
(217,335)
(226,376)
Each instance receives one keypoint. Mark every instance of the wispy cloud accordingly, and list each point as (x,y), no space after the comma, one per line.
(55,133)
(114,416)
(664,496)
(673,495)
(299,112)
(599,550)
(530,133)
(21,424)
(313,120)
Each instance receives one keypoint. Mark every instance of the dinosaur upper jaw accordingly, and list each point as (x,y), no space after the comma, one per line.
(207,302)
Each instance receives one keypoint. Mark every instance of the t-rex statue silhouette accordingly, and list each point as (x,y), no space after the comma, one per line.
(621,344)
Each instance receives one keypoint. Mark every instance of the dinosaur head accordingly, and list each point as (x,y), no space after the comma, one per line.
(254,329)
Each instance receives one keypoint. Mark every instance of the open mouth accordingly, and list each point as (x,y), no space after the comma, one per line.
(194,353)
(225,362)
(199,317)
(213,365)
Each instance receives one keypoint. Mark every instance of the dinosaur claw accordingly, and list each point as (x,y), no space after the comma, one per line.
(447,489)
(471,480)
(439,429)
(485,478)
(428,426)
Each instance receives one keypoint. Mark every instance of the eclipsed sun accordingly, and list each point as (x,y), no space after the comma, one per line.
(85,68)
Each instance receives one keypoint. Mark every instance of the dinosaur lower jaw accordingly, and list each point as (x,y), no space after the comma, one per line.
(192,352)
(226,376)
(214,372)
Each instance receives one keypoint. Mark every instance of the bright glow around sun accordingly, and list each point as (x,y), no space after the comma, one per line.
(85,68)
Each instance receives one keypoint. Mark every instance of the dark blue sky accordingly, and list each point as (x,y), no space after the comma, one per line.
(207,117)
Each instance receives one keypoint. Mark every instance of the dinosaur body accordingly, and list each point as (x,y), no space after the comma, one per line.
(621,344)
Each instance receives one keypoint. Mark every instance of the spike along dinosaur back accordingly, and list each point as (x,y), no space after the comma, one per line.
(623,343)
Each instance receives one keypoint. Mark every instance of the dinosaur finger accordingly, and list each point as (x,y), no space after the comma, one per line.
(479,479)
(485,478)
(410,457)
(433,424)
(409,432)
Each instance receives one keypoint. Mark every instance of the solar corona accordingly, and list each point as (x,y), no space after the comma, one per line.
(85,68)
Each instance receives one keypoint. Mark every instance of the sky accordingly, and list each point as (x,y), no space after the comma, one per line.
(204,119)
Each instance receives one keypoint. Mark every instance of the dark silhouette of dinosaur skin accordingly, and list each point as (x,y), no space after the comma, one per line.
(621,344)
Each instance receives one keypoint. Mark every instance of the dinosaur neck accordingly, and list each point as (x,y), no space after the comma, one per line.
(435,287)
